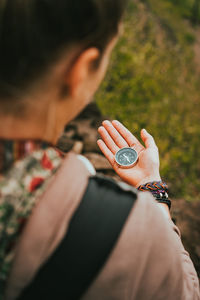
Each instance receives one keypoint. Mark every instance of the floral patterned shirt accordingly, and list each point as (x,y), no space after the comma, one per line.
(20,189)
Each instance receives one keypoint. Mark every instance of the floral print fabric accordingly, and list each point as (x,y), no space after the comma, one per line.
(20,189)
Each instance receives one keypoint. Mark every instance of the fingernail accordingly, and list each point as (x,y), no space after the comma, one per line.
(100,128)
(105,121)
(116,122)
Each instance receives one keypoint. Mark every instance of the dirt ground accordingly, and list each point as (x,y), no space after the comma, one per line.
(81,136)
(187,217)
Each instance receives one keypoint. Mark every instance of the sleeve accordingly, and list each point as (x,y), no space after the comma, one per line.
(148,261)
(190,279)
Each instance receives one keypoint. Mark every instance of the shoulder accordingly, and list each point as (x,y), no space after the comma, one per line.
(145,259)
(105,207)
(106,187)
(107,198)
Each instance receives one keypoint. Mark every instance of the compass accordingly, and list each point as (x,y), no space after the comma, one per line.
(126,157)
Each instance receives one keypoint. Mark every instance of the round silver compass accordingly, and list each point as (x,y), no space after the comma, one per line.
(126,157)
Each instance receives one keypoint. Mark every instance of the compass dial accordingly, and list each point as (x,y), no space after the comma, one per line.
(126,157)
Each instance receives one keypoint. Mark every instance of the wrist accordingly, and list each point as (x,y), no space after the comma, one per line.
(149,179)
(159,190)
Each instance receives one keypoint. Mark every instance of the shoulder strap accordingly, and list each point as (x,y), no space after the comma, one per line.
(47,224)
(92,234)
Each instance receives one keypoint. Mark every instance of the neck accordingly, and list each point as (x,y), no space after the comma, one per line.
(21,128)
(38,122)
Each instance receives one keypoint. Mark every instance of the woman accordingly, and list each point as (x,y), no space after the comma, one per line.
(66,233)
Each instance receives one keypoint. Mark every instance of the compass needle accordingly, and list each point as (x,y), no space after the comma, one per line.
(127,158)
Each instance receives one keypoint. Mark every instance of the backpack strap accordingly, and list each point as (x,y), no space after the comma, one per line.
(92,235)
(48,223)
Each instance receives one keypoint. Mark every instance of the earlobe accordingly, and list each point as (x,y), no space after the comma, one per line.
(81,70)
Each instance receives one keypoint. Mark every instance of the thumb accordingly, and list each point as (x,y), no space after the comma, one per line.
(148,139)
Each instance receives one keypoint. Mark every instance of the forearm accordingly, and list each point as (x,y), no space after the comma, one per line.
(164,207)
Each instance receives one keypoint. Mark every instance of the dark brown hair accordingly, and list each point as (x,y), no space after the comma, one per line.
(34,32)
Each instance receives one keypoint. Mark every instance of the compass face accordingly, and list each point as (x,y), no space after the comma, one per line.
(126,157)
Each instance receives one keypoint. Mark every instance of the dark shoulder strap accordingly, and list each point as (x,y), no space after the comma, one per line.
(93,232)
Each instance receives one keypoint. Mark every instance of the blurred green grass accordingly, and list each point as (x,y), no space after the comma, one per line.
(152,83)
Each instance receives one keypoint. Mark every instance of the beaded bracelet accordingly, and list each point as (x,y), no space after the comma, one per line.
(159,190)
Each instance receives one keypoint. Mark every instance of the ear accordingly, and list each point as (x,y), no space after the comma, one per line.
(81,70)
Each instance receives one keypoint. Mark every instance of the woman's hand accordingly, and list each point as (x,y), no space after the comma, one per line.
(114,137)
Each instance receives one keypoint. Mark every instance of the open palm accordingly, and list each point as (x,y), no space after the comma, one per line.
(114,137)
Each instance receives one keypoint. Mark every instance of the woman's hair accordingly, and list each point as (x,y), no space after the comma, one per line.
(33,34)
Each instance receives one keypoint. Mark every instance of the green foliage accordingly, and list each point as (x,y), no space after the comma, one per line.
(152,83)
(188,8)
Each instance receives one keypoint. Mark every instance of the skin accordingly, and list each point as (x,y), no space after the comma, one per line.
(46,114)
(115,136)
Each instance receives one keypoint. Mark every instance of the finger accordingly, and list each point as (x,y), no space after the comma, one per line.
(115,135)
(128,136)
(108,140)
(148,139)
(108,154)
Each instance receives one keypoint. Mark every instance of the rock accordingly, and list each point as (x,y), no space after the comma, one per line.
(78,147)
(90,145)
(82,127)
(88,135)
(85,128)
(65,144)
(91,112)
(70,132)
(98,161)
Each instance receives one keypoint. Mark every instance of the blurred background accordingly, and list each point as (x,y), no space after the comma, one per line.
(154,83)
